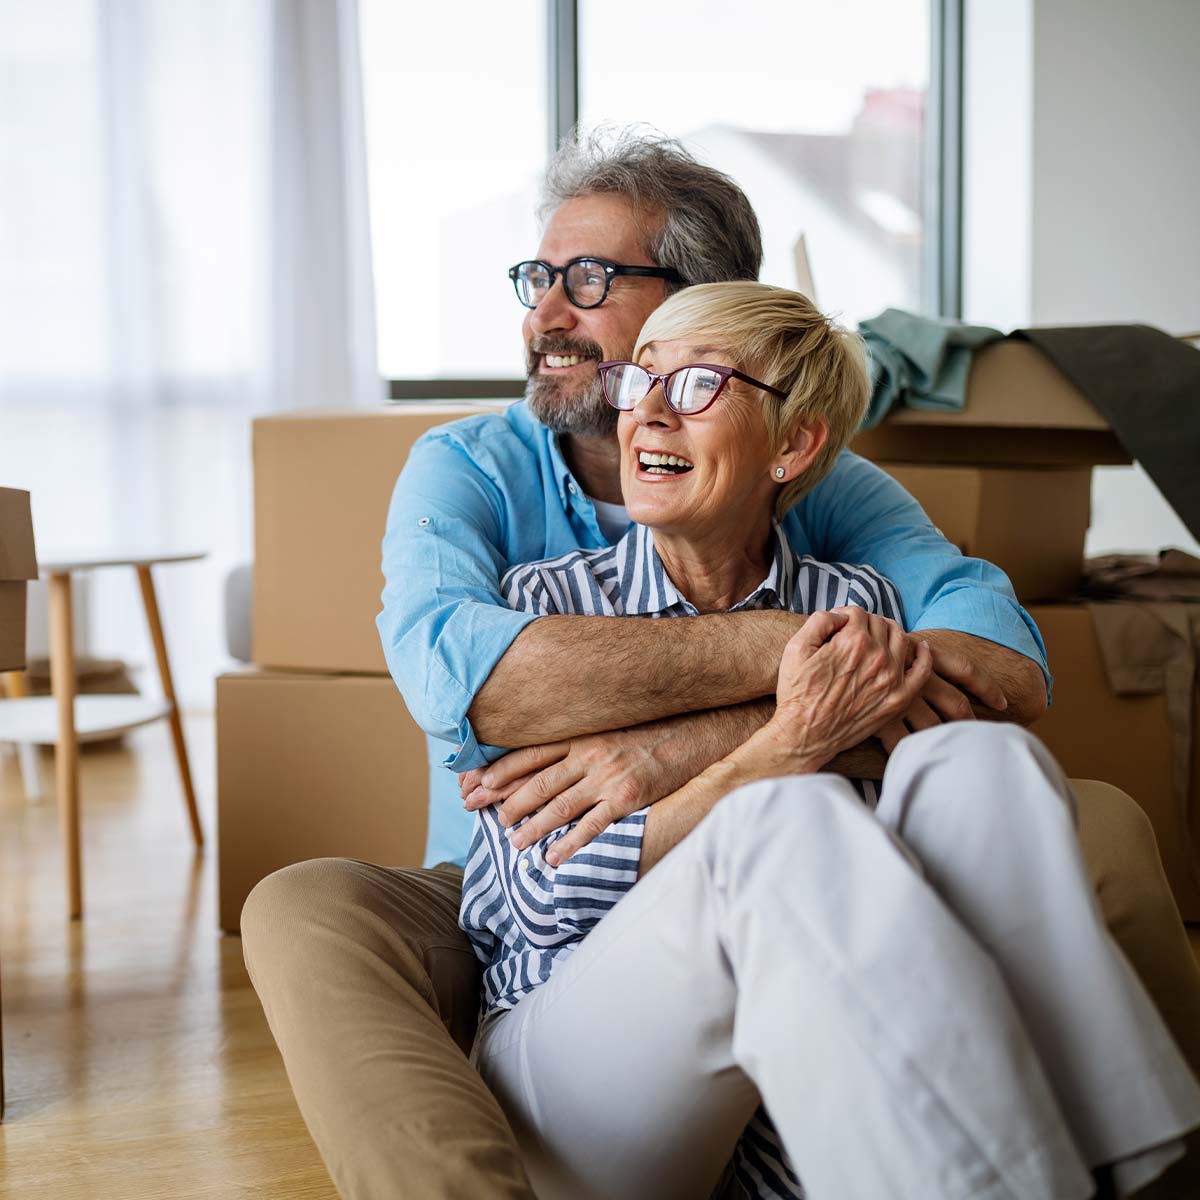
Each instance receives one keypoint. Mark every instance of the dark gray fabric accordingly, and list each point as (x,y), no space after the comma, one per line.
(1146,384)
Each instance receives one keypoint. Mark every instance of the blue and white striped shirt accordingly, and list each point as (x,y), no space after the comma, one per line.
(523,915)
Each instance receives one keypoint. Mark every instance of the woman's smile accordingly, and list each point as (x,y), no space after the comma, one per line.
(659,465)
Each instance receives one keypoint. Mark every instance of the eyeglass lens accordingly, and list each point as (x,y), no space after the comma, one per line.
(688,391)
(585,282)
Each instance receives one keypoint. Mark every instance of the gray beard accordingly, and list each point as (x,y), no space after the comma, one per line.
(585,414)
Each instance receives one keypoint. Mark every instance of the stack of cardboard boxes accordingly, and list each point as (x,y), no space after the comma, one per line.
(18,565)
(1009,480)
(316,753)
(318,756)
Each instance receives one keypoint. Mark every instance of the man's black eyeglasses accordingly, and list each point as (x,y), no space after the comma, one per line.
(585,280)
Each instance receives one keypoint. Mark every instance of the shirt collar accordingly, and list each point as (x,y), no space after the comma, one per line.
(647,588)
(562,473)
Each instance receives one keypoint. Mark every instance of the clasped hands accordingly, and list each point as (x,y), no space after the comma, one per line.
(845,676)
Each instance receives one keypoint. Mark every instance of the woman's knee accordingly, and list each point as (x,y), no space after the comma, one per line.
(965,743)
(977,761)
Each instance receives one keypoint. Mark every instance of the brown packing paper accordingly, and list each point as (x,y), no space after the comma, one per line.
(309,766)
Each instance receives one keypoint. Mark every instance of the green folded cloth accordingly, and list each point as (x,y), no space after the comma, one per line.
(921,362)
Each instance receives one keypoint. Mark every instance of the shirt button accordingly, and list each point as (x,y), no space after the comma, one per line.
(525,865)
(423,521)
(572,488)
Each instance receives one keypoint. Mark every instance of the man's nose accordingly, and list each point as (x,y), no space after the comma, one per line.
(554,311)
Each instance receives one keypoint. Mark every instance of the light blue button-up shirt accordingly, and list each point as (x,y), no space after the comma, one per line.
(483,494)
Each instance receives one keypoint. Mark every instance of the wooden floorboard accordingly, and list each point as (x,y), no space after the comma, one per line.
(137,1060)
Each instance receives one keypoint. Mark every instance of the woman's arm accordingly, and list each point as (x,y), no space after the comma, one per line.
(843,676)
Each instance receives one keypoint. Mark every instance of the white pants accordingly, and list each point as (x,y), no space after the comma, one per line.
(925,998)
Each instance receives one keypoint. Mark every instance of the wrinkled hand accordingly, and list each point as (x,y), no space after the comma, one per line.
(596,780)
(844,677)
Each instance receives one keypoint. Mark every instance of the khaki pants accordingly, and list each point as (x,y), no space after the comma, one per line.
(371,992)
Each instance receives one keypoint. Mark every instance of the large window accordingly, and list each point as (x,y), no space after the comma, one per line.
(822,112)
(816,109)
(455,103)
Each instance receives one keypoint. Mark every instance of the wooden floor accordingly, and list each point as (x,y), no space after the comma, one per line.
(136,1058)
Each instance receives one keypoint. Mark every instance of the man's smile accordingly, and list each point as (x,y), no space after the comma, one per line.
(558,363)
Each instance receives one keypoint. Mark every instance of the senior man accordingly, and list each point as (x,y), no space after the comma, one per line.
(370,987)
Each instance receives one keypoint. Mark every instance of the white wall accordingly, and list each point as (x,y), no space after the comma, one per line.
(1081,189)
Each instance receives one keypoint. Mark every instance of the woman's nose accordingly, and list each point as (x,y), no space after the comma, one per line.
(652,408)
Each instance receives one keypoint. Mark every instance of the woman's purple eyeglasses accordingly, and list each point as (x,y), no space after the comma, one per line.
(688,390)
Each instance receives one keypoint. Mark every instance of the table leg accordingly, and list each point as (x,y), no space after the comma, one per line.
(66,752)
(150,602)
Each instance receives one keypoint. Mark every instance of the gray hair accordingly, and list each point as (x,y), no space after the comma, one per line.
(701,222)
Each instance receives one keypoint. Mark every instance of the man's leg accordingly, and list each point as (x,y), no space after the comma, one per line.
(371,991)
(1127,875)
(1121,854)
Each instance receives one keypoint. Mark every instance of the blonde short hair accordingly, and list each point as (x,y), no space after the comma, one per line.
(780,337)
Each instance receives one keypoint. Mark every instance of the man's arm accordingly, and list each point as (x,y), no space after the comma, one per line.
(580,678)
(567,676)
(444,623)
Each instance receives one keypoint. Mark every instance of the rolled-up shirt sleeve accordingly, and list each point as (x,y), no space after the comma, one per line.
(859,513)
(444,624)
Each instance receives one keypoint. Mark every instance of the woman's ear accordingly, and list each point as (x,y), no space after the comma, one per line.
(804,442)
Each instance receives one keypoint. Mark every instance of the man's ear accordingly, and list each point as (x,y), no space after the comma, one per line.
(804,442)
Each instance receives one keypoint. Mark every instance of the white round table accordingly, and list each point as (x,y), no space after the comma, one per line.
(65,719)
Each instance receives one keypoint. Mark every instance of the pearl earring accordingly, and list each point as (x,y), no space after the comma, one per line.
(779,472)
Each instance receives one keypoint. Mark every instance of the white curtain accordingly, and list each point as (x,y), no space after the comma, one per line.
(184,243)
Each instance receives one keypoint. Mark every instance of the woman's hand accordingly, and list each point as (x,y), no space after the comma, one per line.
(843,677)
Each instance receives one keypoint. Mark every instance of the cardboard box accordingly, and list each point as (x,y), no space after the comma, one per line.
(1030,523)
(1020,411)
(1123,740)
(18,565)
(310,766)
(322,483)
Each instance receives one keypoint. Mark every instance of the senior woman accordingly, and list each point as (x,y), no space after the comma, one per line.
(922,996)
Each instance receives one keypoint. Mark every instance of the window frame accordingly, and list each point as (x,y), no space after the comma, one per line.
(942,265)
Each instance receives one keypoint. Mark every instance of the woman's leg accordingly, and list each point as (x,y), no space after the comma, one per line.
(988,813)
(788,944)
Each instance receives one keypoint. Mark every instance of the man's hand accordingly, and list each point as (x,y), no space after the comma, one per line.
(602,777)
(598,779)
(947,695)
(971,676)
